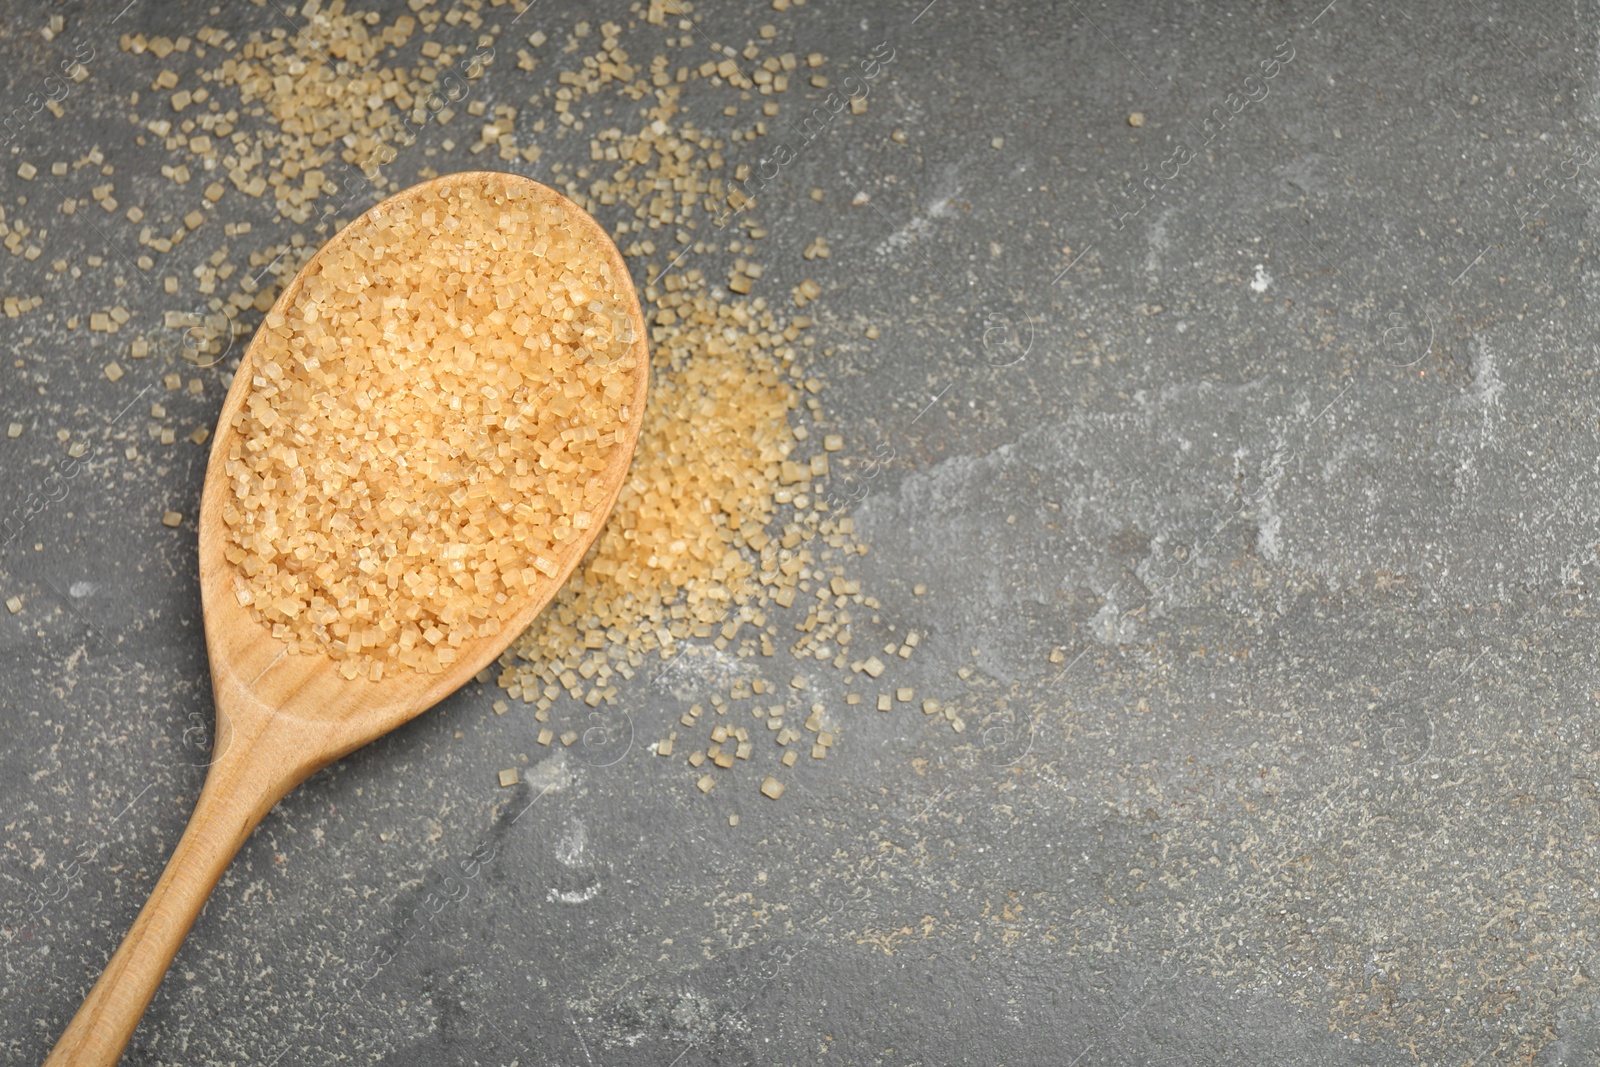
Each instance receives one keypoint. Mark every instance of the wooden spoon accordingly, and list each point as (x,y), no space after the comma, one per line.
(282,717)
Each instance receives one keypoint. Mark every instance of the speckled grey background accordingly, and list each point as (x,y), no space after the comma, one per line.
(1296,462)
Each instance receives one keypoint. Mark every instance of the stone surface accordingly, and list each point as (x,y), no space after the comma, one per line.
(1295,462)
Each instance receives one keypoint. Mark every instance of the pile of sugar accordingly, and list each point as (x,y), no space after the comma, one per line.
(427,426)
(745,577)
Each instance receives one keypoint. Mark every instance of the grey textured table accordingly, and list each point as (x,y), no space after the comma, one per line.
(1293,454)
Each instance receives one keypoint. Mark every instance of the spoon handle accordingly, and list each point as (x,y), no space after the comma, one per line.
(238,792)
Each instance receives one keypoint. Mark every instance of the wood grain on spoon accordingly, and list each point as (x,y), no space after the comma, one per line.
(282,717)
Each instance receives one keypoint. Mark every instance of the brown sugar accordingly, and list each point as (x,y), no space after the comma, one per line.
(427,423)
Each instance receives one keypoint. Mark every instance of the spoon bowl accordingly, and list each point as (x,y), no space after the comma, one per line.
(282,716)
